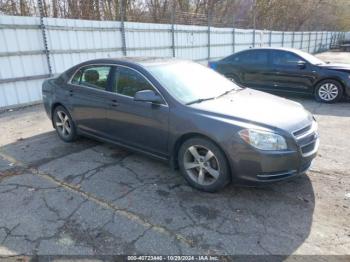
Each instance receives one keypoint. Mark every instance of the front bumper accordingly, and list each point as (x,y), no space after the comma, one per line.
(250,166)
(271,168)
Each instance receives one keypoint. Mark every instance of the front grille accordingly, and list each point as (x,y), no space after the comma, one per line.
(305,166)
(307,139)
(302,130)
(308,148)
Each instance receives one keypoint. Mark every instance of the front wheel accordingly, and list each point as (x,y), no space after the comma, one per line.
(64,124)
(328,91)
(203,164)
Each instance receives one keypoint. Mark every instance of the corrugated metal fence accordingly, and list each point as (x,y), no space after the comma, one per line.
(31,49)
(347,36)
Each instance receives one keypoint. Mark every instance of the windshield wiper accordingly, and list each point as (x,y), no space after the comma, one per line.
(210,98)
(228,91)
(199,100)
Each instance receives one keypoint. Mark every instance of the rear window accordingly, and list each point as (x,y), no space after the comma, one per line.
(76,78)
(254,57)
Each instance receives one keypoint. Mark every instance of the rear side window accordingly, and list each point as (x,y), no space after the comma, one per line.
(254,57)
(128,82)
(282,58)
(94,77)
(77,77)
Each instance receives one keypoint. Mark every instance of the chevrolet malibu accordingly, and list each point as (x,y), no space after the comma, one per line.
(214,131)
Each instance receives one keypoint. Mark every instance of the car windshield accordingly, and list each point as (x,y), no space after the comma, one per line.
(189,82)
(310,58)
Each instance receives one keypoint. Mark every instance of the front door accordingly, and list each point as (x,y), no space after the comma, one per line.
(139,124)
(288,74)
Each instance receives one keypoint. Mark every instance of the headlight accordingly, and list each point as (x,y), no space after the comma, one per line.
(263,140)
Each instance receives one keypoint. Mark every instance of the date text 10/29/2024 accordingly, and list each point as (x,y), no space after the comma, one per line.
(173,258)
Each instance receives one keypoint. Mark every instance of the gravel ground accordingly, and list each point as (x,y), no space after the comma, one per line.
(89,198)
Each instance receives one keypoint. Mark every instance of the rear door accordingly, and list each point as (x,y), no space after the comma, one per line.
(139,124)
(251,68)
(89,98)
(288,74)
(256,68)
(228,68)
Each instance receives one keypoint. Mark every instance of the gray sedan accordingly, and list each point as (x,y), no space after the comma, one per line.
(181,112)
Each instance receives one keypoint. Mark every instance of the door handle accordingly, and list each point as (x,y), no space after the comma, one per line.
(114,103)
(71,92)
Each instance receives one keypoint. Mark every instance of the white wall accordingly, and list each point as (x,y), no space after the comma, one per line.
(347,36)
(72,41)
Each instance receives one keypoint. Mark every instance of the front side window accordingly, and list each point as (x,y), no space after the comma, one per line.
(128,82)
(92,76)
(282,58)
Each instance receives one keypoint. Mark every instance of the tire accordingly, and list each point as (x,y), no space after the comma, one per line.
(194,167)
(64,124)
(328,91)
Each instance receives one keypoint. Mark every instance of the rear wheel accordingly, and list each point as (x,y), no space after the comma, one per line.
(328,91)
(64,124)
(203,165)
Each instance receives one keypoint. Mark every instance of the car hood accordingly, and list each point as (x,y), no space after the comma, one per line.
(335,66)
(256,107)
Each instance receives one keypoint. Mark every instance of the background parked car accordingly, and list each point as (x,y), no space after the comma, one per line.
(287,70)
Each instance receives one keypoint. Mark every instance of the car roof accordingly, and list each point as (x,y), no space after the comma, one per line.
(132,62)
(294,50)
(141,61)
(287,49)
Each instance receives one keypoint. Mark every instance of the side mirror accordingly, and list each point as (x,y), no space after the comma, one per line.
(301,64)
(148,96)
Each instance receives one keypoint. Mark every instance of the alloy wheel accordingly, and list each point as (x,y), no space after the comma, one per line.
(201,165)
(63,124)
(328,92)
